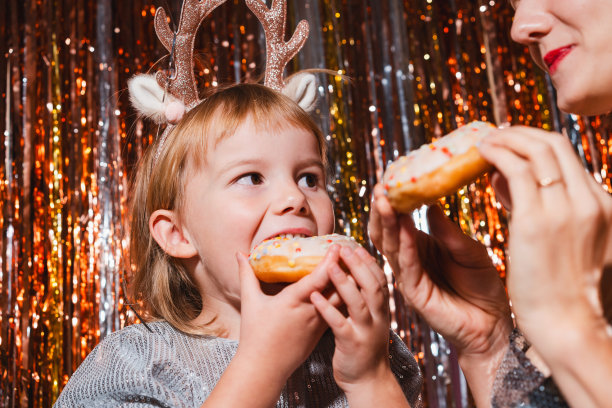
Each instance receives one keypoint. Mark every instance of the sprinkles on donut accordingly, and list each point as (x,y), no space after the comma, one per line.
(436,169)
(287,258)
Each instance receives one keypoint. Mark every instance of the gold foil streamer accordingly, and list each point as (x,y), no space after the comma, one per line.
(53,307)
(418,69)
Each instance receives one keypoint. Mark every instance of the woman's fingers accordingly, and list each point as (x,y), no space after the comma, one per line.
(386,222)
(519,174)
(500,185)
(410,273)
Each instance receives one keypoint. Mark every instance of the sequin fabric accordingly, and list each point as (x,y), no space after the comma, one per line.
(518,383)
(167,368)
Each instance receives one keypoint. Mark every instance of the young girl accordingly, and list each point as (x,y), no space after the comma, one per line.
(244,165)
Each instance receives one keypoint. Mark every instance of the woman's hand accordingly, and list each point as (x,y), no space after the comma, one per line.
(449,279)
(361,357)
(560,232)
(445,275)
(560,244)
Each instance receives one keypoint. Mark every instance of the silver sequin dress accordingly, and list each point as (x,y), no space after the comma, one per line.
(163,367)
(518,383)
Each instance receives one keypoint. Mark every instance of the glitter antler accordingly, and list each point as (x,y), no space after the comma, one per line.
(278,52)
(183,85)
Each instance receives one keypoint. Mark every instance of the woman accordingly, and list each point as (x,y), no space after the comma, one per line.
(560,238)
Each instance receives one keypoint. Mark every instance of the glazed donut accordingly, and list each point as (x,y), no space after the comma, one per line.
(437,169)
(288,259)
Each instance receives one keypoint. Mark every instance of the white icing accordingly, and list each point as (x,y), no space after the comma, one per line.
(429,157)
(293,248)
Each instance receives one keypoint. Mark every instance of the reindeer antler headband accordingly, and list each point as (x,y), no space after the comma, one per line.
(165,99)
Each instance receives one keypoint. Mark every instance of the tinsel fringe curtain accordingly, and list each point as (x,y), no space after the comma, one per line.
(417,69)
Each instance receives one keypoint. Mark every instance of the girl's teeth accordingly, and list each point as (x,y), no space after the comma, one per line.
(290,236)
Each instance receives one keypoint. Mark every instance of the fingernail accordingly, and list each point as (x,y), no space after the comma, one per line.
(346,252)
(362,253)
(504,125)
(316,297)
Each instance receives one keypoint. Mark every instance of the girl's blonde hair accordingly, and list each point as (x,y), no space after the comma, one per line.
(160,284)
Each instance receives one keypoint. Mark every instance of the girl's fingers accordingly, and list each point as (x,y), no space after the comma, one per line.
(329,313)
(375,270)
(249,284)
(358,268)
(368,276)
(349,292)
(318,280)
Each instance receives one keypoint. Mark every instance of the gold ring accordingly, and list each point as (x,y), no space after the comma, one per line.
(548,181)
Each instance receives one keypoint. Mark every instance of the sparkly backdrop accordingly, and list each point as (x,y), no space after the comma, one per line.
(70,140)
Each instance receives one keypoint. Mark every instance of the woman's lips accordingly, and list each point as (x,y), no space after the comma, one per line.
(554,57)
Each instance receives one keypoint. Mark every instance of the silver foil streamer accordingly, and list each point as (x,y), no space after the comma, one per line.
(109,176)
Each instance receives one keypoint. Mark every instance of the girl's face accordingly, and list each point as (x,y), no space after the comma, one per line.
(256,184)
(571,40)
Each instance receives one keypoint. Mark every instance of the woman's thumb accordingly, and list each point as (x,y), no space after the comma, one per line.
(447,232)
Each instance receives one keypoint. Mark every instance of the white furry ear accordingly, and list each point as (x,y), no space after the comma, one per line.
(302,88)
(148,98)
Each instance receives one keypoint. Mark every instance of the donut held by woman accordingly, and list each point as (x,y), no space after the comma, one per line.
(288,259)
(437,169)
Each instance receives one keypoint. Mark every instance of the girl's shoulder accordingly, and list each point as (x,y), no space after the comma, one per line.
(162,334)
(149,362)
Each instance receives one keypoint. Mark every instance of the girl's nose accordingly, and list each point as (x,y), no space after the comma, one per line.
(292,200)
(532,21)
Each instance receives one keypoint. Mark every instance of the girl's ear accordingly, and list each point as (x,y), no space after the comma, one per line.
(170,236)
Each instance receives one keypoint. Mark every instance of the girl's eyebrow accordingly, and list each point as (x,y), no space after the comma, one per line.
(316,162)
(240,162)
(312,162)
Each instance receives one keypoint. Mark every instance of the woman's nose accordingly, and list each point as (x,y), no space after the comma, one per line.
(532,21)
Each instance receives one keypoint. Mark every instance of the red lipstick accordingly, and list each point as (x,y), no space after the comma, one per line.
(554,57)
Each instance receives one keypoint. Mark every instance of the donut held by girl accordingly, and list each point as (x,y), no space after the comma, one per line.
(288,259)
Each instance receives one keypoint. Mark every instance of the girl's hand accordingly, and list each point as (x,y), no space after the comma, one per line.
(279,332)
(560,233)
(361,358)
(449,279)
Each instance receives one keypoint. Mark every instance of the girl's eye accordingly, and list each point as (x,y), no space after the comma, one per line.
(308,180)
(250,179)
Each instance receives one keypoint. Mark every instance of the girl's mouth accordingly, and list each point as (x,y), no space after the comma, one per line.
(554,58)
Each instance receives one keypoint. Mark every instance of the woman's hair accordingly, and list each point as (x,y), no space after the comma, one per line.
(161,284)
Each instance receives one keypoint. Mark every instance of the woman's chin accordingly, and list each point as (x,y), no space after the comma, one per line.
(584,104)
